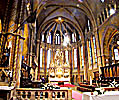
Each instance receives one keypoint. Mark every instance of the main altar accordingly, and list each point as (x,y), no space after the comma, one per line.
(59,70)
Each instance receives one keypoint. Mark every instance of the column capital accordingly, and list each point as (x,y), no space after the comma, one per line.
(38,41)
(82,42)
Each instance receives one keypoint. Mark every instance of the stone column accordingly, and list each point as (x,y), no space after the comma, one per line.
(113,56)
(99,50)
(17,58)
(73,58)
(101,19)
(103,15)
(93,52)
(31,54)
(78,62)
(19,61)
(43,58)
(45,68)
(53,54)
(1,47)
(25,45)
(38,57)
(0,42)
(15,50)
(117,7)
(64,59)
(85,62)
(107,12)
(88,49)
(16,62)
(103,59)
(38,49)
(0,26)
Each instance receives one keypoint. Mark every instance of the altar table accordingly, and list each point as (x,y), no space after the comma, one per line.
(108,95)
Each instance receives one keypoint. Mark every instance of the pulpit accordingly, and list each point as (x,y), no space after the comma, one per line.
(59,70)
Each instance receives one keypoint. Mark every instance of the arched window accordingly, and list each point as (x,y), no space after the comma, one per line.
(112,11)
(102,0)
(89,25)
(95,52)
(116,54)
(41,53)
(66,55)
(82,57)
(49,38)
(48,57)
(80,0)
(90,53)
(43,38)
(75,58)
(73,37)
(66,39)
(57,38)
(79,37)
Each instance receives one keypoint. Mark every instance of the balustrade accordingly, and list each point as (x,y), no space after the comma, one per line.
(40,94)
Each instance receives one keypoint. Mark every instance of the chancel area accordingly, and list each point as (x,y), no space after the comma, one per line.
(59,49)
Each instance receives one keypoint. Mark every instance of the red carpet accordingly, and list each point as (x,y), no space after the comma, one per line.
(76,95)
(66,85)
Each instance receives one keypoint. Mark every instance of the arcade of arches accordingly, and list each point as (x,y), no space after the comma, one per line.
(58,42)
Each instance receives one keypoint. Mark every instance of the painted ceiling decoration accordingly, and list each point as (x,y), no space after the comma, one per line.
(59,25)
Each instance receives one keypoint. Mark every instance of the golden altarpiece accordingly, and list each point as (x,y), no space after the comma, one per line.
(59,71)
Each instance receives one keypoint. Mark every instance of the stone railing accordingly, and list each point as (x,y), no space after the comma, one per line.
(42,94)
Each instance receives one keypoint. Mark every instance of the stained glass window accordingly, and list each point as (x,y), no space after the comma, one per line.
(95,52)
(49,38)
(57,39)
(82,56)
(75,58)
(102,0)
(90,52)
(88,25)
(74,37)
(116,54)
(66,55)
(43,38)
(41,52)
(48,57)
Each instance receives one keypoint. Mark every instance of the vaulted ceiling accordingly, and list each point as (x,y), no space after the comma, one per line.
(6,8)
(70,10)
(76,12)
(3,4)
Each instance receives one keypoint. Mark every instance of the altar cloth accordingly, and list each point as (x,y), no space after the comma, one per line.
(108,95)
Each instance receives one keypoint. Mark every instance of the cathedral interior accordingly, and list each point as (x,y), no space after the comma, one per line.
(59,49)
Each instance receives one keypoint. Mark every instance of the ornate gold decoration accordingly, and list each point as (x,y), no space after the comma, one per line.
(59,68)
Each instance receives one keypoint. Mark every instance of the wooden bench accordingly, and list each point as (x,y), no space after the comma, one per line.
(86,88)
